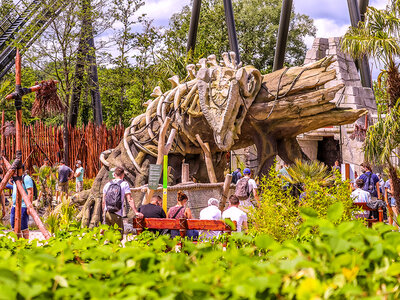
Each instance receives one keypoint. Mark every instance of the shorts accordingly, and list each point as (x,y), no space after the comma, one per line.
(392,202)
(63,187)
(112,219)
(79,186)
(24,218)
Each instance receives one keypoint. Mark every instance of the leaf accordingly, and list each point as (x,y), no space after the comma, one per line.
(62,281)
(265,242)
(335,211)
(308,212)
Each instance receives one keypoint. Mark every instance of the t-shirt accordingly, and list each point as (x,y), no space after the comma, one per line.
(210,213)
(124,190)
(235,214)
(373,180)
(152,211)
(27,184)
(63,173)
(79,170)
(360,196)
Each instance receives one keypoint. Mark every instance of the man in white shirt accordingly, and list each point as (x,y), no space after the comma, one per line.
(111,218)
(359,195)
(236,214)
(211,212)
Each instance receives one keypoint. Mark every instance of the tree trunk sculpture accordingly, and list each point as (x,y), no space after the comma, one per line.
(229,107)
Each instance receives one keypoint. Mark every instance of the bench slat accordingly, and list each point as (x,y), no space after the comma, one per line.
(217,225)
(156,223)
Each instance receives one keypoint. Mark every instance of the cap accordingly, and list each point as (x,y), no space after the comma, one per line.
(78,162)
(213,201)
(246,171)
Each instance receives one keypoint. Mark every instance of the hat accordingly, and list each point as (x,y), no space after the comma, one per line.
(78,162)
(213,201)
(246,171)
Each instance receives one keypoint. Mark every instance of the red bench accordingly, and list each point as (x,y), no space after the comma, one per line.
(364,206)
(182,225)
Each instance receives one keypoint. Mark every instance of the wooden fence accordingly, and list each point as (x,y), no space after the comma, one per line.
(85,144)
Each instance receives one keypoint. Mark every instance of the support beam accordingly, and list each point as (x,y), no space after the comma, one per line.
(282,37)
(225,191)
(194,24)
(230,22)
(208,159)
(363,65)
(363,4)
(185,173)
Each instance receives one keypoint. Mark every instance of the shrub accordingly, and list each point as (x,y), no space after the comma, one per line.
(279,211)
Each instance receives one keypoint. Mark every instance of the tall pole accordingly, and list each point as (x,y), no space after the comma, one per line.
(282,37)
(18,142)
(230,22)
(363,64)
(194,24)
(363,4)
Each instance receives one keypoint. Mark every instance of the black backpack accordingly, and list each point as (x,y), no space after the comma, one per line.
(113,197)
(35,191)
(369,186)
(235,177)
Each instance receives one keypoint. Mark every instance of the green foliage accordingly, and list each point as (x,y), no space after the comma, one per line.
(62,217)
(346,261)
(308,171)
(279,213)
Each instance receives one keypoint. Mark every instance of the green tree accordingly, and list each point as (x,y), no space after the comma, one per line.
(257,24)
(378,37)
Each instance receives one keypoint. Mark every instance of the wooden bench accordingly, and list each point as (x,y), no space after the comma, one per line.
(182,225)
(364,206)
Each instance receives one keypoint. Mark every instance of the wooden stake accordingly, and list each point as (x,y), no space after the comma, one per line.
(208,159)
(225,191)
(163,149)
(185,172)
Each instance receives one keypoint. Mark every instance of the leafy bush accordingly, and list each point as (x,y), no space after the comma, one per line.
(340,262)
(279,212)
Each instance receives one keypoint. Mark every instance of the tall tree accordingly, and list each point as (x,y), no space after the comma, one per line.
(378,37)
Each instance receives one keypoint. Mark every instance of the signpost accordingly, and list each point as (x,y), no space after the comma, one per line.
(154,176)
(165,183)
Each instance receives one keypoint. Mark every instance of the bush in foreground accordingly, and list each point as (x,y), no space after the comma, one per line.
(341,261)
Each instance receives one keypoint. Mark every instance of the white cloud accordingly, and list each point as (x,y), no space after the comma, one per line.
(162,10)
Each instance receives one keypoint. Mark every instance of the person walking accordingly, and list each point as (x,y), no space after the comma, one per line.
(211,212)
(65,174)
(27,184)
(179,211)
(236,214)
(371,181)
(79,176)
(236,175)
(114,194)
(246,189)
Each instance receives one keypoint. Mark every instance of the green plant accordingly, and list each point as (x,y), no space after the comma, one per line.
(345,261)
(62,217)
(279,211)
(304,171)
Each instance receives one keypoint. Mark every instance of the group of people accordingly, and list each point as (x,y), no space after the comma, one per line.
(370,187)
(117,191)
(65,174)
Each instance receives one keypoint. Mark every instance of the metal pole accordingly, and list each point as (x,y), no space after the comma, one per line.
(283,31)
(363,8)
(363,64)
(230,22)
(194,24)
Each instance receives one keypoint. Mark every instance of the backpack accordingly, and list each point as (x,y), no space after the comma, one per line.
(370,186)
(235,177)
(35,190)
(113,197)
(242,189)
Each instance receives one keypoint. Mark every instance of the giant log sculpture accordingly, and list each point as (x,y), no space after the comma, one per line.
(229,107)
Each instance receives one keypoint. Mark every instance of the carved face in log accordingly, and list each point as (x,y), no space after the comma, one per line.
(225,93)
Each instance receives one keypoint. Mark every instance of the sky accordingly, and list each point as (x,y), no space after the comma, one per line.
(331,17)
